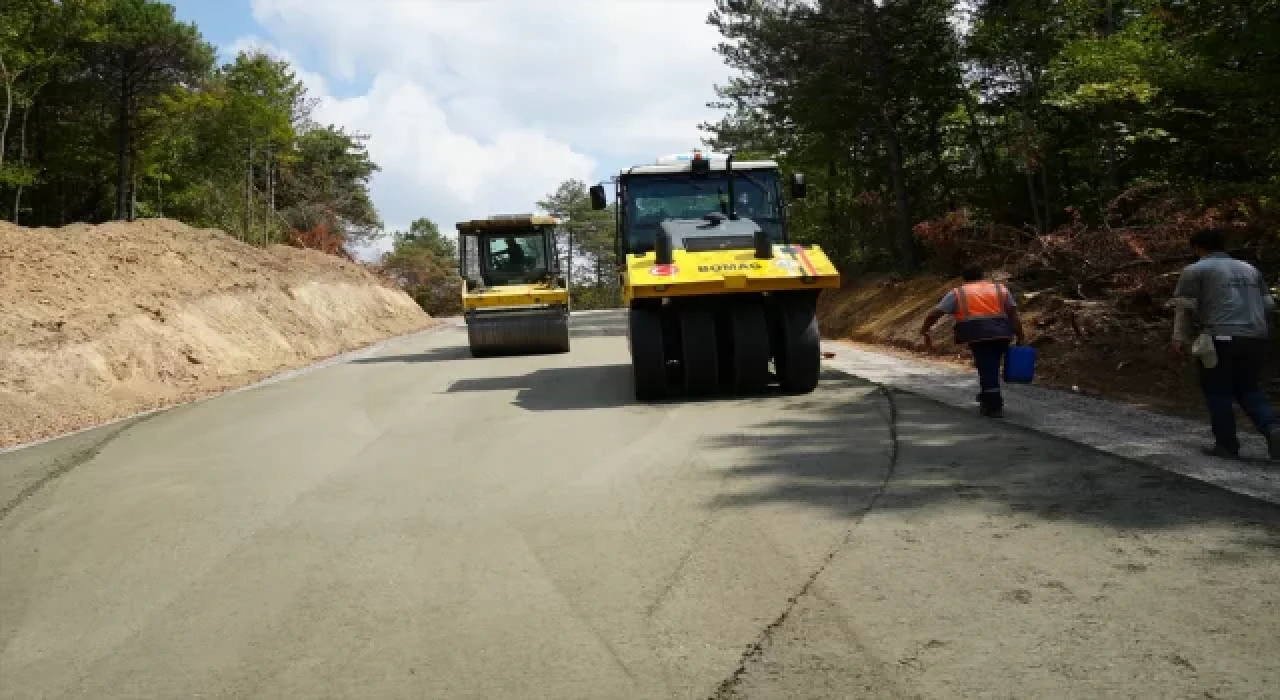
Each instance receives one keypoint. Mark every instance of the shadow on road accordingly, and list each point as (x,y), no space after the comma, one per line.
(603,386)
(560,388)
(446,354)
(833,455)
(595,325)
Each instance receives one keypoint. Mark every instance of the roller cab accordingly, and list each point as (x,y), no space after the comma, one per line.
(719,301)
(514,300)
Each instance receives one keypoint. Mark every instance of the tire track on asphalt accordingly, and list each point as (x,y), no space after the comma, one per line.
(674,578)
(755,651)
(63,466)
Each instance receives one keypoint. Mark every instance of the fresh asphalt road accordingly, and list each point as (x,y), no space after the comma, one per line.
(419,524)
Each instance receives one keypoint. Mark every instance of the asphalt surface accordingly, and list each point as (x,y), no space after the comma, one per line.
(418,524)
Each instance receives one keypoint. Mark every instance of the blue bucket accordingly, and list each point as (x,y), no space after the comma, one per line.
(1020,364)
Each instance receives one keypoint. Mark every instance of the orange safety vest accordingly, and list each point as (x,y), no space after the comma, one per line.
(980,312)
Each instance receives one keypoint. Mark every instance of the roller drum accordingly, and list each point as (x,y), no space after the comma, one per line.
(518,331)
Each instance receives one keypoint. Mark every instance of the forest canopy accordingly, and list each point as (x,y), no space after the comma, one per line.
(915,116)
(115,109)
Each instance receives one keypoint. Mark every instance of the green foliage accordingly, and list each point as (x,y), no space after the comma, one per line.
(589,243)
(118,111)
(585,297)
(424,262)
(1038,112)
(329,182)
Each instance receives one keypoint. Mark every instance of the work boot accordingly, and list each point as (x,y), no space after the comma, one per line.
(1220,452)
(992,411)
(1273,443)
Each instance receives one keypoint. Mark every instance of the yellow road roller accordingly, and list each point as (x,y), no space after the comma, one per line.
(514,300)
(719,301)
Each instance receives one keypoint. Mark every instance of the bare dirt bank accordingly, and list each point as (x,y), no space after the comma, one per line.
(1098,348)
(100,322)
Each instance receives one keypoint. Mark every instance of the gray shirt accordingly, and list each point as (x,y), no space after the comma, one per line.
(1229,298)
(949,304)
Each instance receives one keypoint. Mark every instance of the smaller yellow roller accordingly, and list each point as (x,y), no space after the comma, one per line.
(513,297)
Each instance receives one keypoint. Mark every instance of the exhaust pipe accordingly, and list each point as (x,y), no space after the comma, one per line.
(728,173)
(764,246)
(662,248)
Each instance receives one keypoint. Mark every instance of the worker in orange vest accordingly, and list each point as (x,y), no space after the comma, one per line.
(986,320)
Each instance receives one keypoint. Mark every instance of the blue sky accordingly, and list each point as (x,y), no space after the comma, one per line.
(480,107)
(221,21)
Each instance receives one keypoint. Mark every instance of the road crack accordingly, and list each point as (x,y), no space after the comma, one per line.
(755,651)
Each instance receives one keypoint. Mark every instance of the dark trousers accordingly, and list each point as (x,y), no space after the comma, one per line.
(1236,379)
(988,357)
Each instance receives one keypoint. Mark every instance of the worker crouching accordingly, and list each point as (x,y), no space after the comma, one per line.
(986,319)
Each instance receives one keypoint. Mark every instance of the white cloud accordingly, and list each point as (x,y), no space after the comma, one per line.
(430,169)
(478,107)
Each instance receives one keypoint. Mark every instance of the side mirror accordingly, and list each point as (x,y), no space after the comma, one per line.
(598,201)
(799,187)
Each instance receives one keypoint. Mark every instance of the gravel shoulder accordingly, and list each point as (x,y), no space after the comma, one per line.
(1156,439)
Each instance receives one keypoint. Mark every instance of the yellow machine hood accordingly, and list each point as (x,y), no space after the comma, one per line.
(711,272)
(514,295)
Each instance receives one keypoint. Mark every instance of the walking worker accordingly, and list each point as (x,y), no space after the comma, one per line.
(1230,300)
(986,320)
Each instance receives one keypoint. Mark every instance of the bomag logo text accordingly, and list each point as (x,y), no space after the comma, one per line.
(730,267)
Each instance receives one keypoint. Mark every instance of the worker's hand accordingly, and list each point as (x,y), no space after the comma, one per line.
(1020,339)
(927,340)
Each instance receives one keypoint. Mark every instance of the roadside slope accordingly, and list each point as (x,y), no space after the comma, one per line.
(100,322)
(1096,348)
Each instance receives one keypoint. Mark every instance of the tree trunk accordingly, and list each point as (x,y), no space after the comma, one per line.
(1044,186)
(939,163)
(1109,120)
(1035,204)
(8,107)
(833,218)
(1113,182)
(902,205)
(248,194)
(903,239)
(22,160)
(124,147)
(984,154)
(271,193)
(1068,183)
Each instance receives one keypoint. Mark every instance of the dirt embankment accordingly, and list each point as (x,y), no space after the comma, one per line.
(100,322)
(1098,348)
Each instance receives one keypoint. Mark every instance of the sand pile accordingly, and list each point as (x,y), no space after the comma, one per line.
(99,322)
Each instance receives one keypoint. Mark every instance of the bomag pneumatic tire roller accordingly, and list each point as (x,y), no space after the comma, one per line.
(513,298)
(714,291)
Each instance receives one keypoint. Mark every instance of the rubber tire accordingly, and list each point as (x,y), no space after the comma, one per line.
(700,354)
(562,343)
(648,359)
(798,355)
(750,348)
